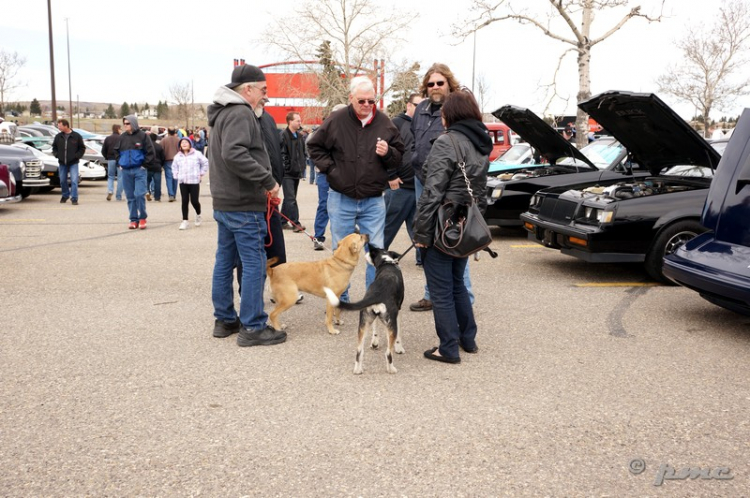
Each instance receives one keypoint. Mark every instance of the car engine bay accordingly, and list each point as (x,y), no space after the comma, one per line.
(629,190)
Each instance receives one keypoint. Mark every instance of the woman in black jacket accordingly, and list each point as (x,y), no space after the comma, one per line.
(465,135)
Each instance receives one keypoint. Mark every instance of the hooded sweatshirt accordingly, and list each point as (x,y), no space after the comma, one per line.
(135,148)
(240,168)
(189,168)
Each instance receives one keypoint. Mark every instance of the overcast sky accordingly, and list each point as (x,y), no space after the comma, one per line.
(125,51)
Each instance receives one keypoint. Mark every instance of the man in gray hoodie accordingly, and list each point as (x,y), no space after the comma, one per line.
(241,184)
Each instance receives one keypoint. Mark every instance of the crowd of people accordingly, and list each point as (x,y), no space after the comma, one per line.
(374,175)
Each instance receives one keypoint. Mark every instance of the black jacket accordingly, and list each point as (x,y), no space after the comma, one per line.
(426,126)
(109,146)
(293,153)
(159,156)
(406,171)
(444,180)
(345,151)
(68,148)
(272,142)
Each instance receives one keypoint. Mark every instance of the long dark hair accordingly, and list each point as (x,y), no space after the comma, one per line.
(458,106)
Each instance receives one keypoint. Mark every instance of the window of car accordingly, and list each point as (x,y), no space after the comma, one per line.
(515,155)
(602,153)
(689,171)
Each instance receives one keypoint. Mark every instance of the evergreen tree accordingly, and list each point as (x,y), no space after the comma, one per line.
(124,109)
(404,84)
(135,107)
(110,112)
(34,108)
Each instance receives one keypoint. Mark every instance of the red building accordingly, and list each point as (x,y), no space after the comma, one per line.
(292,87)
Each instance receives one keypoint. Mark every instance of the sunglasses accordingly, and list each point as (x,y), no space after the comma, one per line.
(125,123)
(433,83)
(366,101)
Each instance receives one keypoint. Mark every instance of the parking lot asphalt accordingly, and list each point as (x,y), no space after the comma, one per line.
(589,381)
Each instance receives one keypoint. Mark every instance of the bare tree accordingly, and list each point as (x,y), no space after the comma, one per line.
(10,64)
(712,57)
(181,96)
(482,91)
(337,40)
(567,21)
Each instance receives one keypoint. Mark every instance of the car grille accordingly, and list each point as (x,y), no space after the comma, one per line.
(33,169)
(557,210)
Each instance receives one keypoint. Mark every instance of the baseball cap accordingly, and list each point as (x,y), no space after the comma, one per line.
(246,74)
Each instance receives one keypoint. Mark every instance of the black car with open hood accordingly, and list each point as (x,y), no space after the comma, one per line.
(638,219)
(509,193)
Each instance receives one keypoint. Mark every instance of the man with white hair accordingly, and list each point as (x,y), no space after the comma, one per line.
(355,148)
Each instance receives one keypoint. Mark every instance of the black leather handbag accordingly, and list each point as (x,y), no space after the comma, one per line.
(460,229)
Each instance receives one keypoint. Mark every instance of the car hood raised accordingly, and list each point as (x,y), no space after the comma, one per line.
(655,136)
(539,134)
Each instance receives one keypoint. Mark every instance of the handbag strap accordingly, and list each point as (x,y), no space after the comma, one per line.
(461,163)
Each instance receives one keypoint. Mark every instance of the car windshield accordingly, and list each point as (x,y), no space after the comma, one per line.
(85,134)
(94,145)
(515,155)
(688,170)
(602,153)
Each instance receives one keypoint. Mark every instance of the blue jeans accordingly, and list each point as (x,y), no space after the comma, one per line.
(63,172)
(154,183)
(112,172)
(454,317)
(134,185)
(418,189)
(399,208)
(171,183)
(368,214)
(240,234)
(312,171)
(321,216)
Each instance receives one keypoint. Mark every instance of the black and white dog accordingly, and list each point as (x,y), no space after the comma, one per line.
(383,301)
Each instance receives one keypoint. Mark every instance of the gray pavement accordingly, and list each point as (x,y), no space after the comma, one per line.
(111,384)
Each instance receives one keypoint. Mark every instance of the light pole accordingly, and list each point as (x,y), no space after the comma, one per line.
(70,87)
(52,61)
(474,61)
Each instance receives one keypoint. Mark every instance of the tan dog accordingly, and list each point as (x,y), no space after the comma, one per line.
(312,277)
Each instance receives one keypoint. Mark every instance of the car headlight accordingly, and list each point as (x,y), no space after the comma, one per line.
(23,167)
(536,200)
(599,215)
(605,216)
(497,193)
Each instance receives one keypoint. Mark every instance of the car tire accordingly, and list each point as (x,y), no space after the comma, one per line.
(670,238)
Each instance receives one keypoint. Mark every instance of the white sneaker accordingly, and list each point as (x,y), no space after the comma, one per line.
(198,220)
(184,225)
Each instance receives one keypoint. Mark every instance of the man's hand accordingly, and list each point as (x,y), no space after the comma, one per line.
(394,184)
(274,192)
(381,147)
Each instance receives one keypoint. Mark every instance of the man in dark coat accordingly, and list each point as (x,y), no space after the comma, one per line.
(293,155)
(68,148)
(356,148)
(400,199)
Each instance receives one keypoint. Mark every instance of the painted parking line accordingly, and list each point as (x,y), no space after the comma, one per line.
(620,284)
(523,246)
(22,220)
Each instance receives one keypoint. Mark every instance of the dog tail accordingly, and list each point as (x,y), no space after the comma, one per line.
(337,303)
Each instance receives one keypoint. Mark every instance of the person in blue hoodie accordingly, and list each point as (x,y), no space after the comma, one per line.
(134,152)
